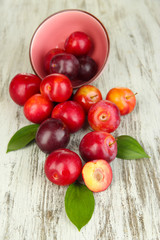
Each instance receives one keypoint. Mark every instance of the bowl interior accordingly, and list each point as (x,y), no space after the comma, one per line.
(53,32)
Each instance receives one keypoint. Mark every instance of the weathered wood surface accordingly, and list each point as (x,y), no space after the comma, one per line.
(31,208)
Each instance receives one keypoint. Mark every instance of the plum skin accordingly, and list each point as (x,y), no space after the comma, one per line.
(71,113)
(104,116)
(37,108)
(63,167)
(88,68)
(87,95)
(98,145)
(48,57)
(56,87)
(124,98)
(78,44)
(66,64)
(23,86)
(51,135)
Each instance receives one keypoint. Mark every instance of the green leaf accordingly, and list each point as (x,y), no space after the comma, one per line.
(22,137)
(79,204)
(129,148)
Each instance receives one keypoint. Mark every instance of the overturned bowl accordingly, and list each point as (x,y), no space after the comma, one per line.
(55,29)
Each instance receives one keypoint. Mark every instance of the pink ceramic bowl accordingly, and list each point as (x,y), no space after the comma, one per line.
(54,30)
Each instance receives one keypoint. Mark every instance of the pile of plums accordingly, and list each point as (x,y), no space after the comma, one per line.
(51,103)
(72,61)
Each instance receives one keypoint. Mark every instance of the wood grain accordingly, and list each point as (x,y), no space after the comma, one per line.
(33,208)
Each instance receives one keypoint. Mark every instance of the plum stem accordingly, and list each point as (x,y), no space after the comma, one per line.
(93,96)
(113,142)
(131,95)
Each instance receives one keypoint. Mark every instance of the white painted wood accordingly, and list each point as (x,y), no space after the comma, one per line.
(33,208)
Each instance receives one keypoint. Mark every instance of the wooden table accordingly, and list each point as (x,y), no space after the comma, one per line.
(32,208)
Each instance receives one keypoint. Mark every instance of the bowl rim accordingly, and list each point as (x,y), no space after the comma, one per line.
(72,10)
